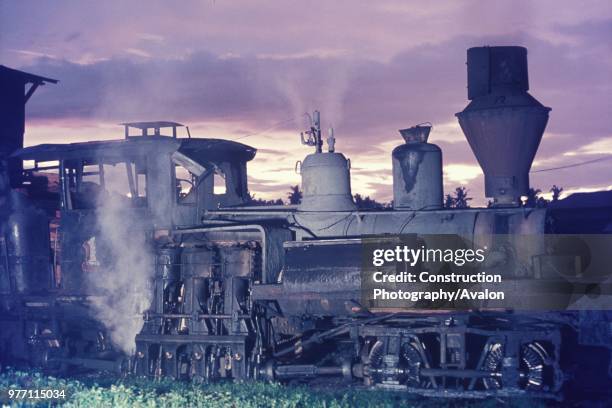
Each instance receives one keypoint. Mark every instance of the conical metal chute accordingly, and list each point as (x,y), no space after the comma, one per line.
(416,134)
(503,124)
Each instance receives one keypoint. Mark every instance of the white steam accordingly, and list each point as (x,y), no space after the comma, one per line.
(121,287)
(323,89)
(287,84)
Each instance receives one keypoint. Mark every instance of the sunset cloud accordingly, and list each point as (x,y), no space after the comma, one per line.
(250,71)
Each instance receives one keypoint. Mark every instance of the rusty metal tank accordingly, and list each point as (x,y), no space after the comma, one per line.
(503,123)
(417,171)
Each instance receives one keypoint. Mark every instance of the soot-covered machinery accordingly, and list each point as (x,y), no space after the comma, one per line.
(274,292)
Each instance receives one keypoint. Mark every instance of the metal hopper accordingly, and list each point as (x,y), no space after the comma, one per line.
(503,123)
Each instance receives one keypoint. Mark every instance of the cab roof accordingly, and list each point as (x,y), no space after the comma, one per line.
(202,149)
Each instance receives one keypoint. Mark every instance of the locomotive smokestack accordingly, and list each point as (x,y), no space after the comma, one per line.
(503,123)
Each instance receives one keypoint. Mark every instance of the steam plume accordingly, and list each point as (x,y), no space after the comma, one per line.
(323,89)
(122,283)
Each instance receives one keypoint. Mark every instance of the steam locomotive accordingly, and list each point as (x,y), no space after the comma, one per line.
(236,291)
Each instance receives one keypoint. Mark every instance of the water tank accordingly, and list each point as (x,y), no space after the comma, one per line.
(28,250)
(503,123)
(326,183)
(417,171)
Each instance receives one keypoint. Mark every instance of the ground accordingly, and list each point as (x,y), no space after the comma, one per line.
(108,391)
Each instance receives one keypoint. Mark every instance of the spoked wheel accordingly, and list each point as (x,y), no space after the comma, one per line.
(534,360)
(492,363)
(408,364)
(411,361)
(375,361)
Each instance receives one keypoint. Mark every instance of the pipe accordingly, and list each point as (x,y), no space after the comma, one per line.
(199,316)
(441,372)
(305,370)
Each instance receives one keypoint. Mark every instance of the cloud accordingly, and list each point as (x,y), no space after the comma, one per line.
(138,52)
(461,173)
(600,146)
(371,70)
(585,31)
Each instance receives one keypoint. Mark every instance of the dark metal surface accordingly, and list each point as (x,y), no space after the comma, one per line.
(13,99)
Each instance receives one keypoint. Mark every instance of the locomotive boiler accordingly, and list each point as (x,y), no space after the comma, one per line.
(236,291)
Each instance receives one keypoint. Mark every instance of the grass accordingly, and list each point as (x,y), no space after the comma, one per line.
(134,392)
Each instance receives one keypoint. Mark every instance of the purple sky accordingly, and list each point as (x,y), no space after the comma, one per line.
(234,68)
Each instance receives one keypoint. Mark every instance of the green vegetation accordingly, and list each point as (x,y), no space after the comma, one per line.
(131,392)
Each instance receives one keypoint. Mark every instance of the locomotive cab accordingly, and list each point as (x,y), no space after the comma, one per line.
(162,181)
(72,201)
(173,178)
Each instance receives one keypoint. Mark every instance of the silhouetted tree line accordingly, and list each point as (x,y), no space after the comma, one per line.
(458,199)
(534,200)
(294,197)
(367,203)
(260,201)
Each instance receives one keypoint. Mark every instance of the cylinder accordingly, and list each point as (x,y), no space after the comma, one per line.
(417,174)
(168,271)
(28,249)
(326,183)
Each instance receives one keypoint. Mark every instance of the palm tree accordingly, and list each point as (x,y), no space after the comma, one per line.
(534,199)
(449,201)
(295,195)
(556,192)
(367,203)
(461,198)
